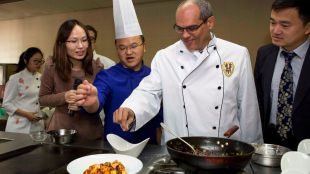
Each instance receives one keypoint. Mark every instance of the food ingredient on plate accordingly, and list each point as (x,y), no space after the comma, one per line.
(115,167)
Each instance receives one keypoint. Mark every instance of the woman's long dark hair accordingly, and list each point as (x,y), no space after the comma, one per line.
(60,58)
(25,57)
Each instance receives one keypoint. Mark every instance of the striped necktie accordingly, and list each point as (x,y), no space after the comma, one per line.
(285,98)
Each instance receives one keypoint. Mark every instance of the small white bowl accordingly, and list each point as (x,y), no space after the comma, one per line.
(294,160)
(122,146)
(304,146)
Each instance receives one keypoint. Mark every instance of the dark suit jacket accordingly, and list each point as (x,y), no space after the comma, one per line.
(263,72)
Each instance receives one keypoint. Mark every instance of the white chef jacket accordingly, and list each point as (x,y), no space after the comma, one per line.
(200,97)
(22,92)
(104,60)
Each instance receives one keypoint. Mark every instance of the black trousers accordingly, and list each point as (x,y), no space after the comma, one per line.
(272,137)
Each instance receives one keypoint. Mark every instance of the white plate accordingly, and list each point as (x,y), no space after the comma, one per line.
(295,160)
(78,166)
(293,171)
(304,146)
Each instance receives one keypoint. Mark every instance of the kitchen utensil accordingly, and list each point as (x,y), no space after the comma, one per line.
(268,154)
(231,131)
(216,153)
(38,136)
(62,136)
(174,134)
(122,146)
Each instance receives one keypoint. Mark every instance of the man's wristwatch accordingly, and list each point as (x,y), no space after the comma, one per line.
(132,125)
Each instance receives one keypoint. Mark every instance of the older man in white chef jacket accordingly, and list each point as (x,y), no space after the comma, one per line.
(206,83)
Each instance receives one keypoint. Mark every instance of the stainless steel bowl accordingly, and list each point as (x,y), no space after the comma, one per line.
(62,136)
(268,154)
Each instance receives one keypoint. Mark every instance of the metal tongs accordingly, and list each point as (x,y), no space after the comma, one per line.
(166,128)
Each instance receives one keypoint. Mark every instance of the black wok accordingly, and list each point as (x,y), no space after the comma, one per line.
(213,152)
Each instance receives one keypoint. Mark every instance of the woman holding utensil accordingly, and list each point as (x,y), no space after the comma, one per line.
(70,64)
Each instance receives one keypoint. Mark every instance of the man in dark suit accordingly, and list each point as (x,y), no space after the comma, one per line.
(282,75)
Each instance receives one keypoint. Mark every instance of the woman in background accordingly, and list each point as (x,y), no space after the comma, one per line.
(71,60)
(22,92)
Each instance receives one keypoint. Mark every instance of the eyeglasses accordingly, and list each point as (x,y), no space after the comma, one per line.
(189,29)
(75,42)
(39,62)
(131,46)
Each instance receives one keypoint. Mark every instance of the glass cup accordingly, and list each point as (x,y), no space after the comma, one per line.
(38,136)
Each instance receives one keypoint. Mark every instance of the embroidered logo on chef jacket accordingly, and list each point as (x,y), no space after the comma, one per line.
(228,68)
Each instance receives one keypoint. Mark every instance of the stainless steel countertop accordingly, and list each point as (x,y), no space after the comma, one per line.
(148,155)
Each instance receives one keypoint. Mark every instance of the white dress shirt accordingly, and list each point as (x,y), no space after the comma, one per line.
(296,64)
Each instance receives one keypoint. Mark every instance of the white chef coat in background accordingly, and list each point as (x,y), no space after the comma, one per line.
(107,62)
(22,92)
(191,86)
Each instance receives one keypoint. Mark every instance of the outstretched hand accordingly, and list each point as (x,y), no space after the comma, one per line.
(125,117)
(87,97)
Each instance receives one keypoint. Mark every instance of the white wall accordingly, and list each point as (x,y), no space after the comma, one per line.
(242,21)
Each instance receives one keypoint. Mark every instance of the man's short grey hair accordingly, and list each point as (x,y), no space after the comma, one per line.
(204,6)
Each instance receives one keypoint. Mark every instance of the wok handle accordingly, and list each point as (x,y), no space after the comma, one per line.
(231,131)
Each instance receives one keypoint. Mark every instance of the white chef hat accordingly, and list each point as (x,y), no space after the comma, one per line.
(125,19)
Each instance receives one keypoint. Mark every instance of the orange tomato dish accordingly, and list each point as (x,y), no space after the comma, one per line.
(115,167)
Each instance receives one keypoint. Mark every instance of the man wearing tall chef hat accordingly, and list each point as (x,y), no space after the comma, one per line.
(114,85)
(205,83)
